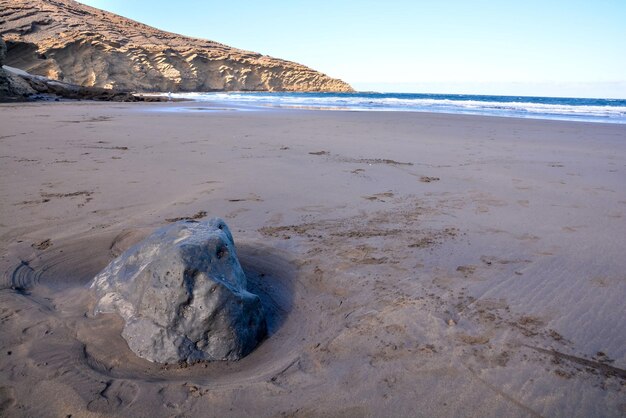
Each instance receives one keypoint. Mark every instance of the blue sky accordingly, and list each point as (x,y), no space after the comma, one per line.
(549,47)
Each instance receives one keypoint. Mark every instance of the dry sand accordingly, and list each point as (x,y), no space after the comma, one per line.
(412,264)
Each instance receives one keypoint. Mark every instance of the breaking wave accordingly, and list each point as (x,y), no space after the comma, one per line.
(594,110)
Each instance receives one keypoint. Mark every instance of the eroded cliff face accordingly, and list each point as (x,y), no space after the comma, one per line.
(12,88)
(65,40)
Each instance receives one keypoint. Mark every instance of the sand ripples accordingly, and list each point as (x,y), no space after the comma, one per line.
(64,265)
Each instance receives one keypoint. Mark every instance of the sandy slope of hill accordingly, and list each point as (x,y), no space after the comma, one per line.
(71,42)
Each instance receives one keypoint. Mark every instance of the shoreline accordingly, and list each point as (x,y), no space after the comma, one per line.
(210,107)
(409,255)
(553,108)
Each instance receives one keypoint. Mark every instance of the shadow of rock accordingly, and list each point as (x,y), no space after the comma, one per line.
(271,276)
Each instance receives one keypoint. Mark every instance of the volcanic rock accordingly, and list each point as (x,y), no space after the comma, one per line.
(182,294)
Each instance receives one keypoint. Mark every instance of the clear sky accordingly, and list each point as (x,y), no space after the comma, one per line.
(528,47)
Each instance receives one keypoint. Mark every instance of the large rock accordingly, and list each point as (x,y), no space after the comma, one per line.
(182,294)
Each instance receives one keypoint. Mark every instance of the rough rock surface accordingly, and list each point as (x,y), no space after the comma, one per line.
(65,40)
(12,88)
(182,294)
(22,86)
(3,51)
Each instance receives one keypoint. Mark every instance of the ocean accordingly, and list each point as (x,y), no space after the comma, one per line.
(577,109)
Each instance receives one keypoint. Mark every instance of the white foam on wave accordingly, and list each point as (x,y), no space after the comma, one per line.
(616,114)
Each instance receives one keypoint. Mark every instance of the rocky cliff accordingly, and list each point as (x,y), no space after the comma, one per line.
(67,41)
(12,88)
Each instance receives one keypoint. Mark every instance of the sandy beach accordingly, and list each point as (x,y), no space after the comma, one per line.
(411,264)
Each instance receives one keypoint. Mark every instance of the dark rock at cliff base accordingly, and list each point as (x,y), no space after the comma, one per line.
(182,294)
(12,87)
(3,51)
(18,85)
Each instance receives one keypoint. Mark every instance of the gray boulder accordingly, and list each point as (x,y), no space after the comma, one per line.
(182,294)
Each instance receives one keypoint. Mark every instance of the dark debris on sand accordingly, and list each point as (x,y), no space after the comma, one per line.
(198,215)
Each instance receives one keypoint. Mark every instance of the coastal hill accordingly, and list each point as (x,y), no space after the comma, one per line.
(68,41)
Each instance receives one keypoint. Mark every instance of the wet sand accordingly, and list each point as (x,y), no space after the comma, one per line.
(411,264)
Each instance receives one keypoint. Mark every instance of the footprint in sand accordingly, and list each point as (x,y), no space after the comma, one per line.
(117,395)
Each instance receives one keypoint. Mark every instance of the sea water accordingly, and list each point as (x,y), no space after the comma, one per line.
(590,110)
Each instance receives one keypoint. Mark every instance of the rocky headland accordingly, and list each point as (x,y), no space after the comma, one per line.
(77,44)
